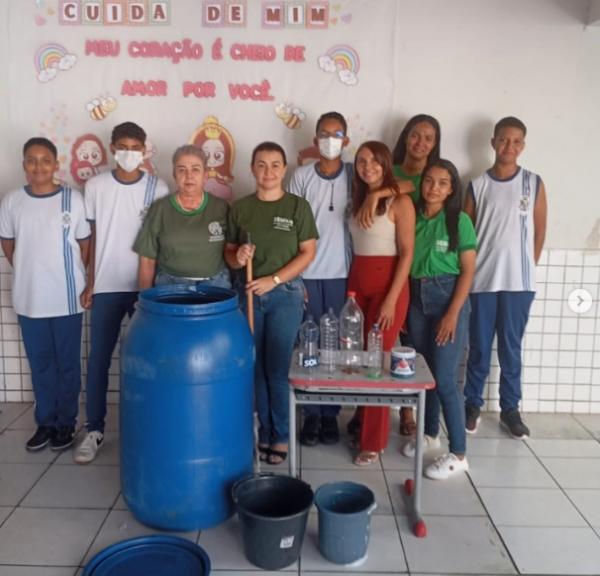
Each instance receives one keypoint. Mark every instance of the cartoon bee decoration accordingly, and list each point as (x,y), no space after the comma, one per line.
(100,108)
(290,115)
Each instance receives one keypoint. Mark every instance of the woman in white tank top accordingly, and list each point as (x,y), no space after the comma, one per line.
(382,258)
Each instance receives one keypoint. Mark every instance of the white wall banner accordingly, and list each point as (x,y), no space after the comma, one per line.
(221,73)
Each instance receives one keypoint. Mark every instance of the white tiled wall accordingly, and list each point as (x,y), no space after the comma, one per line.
(561,350)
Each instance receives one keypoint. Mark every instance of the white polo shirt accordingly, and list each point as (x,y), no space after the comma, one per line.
(48,274)
(118,209)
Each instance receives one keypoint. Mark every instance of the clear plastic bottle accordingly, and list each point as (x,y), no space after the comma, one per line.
(309,344)
(374,352)
(330,333)
(351,334)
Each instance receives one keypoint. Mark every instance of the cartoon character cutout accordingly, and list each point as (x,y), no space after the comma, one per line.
(88,157)
(218,145)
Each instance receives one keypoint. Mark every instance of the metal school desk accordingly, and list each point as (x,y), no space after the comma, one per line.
(321,387)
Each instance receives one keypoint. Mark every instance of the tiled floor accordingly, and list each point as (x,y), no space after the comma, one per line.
(525,507)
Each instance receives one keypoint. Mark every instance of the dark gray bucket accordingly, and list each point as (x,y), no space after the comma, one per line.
(273,512)
(345,510)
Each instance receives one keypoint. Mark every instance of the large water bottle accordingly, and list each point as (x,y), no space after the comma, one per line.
(351,333)
(374,352)
(309,344)
(330,333)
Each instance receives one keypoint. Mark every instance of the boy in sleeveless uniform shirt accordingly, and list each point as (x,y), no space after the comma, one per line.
(326,185)
(45,237)
(115,204)
(508,207)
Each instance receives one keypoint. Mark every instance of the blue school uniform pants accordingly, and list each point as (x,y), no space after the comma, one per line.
(53,348)
(504,314)
(108,311)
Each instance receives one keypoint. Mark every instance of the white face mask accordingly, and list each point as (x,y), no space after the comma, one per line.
(129,160)
(330,148)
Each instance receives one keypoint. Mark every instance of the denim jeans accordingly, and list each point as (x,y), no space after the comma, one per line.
(277,317)
(506,315)
(108,311)
(221,279)
(430,298)
(53,347)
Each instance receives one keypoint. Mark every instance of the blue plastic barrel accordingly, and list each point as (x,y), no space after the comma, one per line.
(187,369)
(345,510)
(155,555)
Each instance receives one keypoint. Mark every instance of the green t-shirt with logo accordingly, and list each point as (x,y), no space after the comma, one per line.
(431,256)
(415,179)
(186,244)
(276,229)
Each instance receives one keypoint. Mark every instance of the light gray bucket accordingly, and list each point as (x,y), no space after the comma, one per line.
(345,510)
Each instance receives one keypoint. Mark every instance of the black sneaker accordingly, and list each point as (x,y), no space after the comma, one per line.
(40,439)
(62,439)
(309,436)
(329,433)
(511,420)
(472,418)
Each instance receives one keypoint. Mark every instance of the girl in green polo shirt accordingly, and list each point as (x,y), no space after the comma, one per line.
(441,275)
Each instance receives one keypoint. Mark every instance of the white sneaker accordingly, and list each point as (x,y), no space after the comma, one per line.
(445,466)
(87,450)
(429,443)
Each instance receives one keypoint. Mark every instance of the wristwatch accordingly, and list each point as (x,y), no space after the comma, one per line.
(277,280)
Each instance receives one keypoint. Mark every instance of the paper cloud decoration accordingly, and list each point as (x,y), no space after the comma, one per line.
(347,77)
(52,58)
(326,63)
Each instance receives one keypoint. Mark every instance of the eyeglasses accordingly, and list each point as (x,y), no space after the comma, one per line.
(324,134)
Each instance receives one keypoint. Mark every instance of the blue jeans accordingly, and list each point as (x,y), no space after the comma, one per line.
(430,298)
(108,311)
(277,317)
(53,348)
(506,315)
(221,279)
(322,295)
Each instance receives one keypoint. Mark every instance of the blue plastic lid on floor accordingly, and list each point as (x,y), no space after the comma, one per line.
(150,556)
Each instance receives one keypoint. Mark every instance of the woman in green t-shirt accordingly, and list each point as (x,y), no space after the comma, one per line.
(438,317)
(277,231)
(183,235)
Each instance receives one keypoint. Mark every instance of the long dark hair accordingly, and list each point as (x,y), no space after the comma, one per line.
(452,204)
(383,157)
(400,148)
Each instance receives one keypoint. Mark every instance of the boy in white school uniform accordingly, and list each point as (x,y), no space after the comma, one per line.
(326,185)
(45,237)
(508,207)
(115,204)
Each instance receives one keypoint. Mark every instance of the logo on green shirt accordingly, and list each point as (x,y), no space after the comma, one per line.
(216,232)
(285,224)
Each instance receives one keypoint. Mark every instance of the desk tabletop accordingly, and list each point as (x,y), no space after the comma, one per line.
(319,379)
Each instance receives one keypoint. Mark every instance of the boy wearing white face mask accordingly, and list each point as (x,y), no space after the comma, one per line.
(115,204)
(326,185)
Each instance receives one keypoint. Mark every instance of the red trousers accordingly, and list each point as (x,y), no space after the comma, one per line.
(371,277)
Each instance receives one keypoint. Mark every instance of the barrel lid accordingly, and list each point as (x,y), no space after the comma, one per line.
(158,555)
(187,300)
